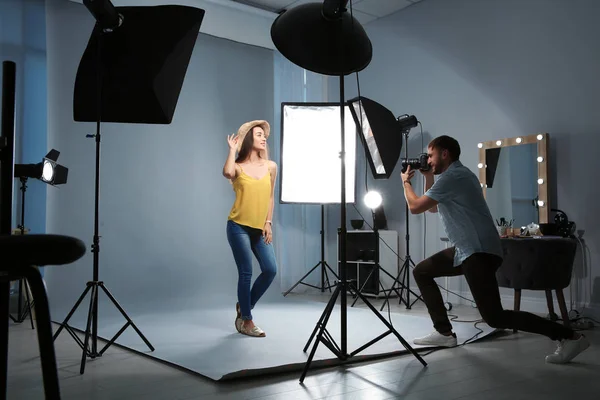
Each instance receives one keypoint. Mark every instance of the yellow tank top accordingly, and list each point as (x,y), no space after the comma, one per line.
(252,200)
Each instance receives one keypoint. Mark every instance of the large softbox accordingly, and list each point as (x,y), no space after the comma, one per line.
(143,65)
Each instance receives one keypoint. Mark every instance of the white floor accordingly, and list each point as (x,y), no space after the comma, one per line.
(203,339)
(499,368)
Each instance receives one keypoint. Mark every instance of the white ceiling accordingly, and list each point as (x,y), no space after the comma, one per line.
(364,11)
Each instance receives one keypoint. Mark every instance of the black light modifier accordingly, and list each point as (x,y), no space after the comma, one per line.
(322,38)
(381,134)
(48,170)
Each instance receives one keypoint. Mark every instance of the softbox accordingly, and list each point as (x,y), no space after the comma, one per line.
(143,64)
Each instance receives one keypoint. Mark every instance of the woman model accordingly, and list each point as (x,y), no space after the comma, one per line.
(249,225)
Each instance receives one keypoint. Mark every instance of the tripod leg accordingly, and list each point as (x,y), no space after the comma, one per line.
(29,304)
(417,297)
(332,271)
(392,289)
(66,321)
(301,279)
(327,311)
(393,330)
(324,319)
(93,298)
(363,285)
(129,320)
(324,271)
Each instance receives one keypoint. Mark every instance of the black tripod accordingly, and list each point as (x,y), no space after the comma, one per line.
(91,331)
(323,264)
(23,309)
(404,274)
(322,335)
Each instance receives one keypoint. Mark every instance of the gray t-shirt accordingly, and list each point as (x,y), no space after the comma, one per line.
(464,213)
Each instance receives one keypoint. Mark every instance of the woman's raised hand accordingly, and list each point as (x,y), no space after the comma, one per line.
(232,140)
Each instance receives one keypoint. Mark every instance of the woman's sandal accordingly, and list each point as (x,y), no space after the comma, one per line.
(255,331)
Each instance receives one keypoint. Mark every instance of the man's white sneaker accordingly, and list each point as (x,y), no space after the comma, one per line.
(568,350)
(436,339)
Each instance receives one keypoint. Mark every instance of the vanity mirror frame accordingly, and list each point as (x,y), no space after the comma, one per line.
(542,140)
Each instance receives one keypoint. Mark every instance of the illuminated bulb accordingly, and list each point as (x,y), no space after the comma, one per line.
(519,140)
(373,199)
(480,165)
(481,184)
(540,181)
(540,159)
(47,171)
(541,203)
(540,137)
(499,142)
(480,145)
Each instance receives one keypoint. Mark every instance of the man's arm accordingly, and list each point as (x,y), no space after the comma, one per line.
(416,204)
(428,184)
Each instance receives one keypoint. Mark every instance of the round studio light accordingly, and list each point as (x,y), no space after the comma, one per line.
(480,165)
(540,137)
(541,203)
(499,143)
(373,199)
(519,140)
(47,171)
(540,181)
(540,159)
(480,145)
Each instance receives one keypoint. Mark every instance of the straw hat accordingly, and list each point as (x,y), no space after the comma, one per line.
(247,127)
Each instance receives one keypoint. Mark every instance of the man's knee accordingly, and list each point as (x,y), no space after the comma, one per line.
(494,320)
(420,271)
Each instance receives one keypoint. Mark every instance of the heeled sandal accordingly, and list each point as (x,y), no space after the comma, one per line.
(255,331)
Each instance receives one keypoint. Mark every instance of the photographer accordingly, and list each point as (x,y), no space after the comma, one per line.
(476,253)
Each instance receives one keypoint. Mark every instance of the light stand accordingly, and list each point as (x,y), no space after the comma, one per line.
(23,311)
(90,343)
(323,264)
(378,124)
(335,45)
(404,274)
(52,173)
(158,41)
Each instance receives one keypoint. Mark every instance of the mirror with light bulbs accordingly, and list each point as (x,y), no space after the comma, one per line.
(513,173)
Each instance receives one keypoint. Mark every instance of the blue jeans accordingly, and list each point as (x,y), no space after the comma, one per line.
(244,242)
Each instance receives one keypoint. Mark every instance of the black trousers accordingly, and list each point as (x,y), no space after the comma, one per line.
(480,272)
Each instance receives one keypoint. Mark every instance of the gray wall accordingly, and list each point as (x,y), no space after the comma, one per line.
(23,41)
(479,70)
(163,200)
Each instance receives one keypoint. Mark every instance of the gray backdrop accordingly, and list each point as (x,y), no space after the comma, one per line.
(163,200)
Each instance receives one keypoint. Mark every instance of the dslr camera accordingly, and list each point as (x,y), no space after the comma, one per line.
(419,163)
